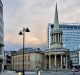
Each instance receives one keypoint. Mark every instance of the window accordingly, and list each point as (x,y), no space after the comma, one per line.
(28,58)
(19,59)
(28,65)
(52,26)
(25,58)
(75,27)
(22,65)
(18,65)
(78,27)
(60,26)
(63,26)
(15,59)
(15,66)
(22,58)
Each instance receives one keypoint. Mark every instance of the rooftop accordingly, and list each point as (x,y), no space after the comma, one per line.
(28,50)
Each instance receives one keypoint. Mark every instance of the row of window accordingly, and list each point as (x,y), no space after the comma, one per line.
(20,59)
(21,66)
(66,27)
(73,56)
(69,27)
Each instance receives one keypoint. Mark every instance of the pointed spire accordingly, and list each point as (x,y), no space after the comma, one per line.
(56,21)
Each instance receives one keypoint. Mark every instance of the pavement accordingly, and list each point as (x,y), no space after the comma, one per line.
(42,73)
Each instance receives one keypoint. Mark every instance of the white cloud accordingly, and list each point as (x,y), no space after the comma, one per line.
(36,15)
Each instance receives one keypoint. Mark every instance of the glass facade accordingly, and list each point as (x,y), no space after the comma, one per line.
(70,36)
(74,56)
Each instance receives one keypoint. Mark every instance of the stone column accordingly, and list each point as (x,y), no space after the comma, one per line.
(66,61)
(61,61)
(45,61)
(58,37)
(53,38)
(55,60)
(49,62)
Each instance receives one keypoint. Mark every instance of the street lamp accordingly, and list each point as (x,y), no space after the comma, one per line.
(23,33)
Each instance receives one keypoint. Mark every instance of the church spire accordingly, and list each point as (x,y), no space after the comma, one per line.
(56,21)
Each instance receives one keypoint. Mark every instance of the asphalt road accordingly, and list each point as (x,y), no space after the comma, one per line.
(43,73)
(60,73)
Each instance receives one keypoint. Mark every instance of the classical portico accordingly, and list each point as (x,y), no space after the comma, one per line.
(56,57)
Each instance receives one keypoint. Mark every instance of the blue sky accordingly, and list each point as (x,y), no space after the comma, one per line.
(35,14)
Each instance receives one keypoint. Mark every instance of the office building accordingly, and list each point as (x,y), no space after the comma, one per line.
(75,58)
(7,60)
(1,37)
(79,56)
(70,37)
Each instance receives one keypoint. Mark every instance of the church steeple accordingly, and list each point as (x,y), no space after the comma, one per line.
(56,21)
(56,33)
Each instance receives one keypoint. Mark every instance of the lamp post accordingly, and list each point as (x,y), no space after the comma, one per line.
(23,33)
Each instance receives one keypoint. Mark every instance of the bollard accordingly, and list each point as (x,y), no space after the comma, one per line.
(38,72)
(19,73)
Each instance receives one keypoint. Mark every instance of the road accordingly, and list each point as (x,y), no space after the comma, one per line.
(42,73)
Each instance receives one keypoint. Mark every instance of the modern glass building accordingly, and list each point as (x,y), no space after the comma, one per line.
(75,58)
(70,36)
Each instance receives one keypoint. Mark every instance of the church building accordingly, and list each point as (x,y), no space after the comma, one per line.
(56,57)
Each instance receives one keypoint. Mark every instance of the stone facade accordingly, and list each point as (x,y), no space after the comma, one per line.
(57,59)
(31,60)
(1,37)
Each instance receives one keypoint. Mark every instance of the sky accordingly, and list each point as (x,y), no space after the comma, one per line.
(35,14)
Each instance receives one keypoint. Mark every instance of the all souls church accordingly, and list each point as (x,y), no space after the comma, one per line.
(57,56)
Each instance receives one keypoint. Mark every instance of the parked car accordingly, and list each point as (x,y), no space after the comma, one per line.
(74,70)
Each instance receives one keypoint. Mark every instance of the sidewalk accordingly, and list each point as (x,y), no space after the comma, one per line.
(8,73)
(14,73)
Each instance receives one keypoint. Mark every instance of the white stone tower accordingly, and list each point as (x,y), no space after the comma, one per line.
(56,56)
(56,34)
